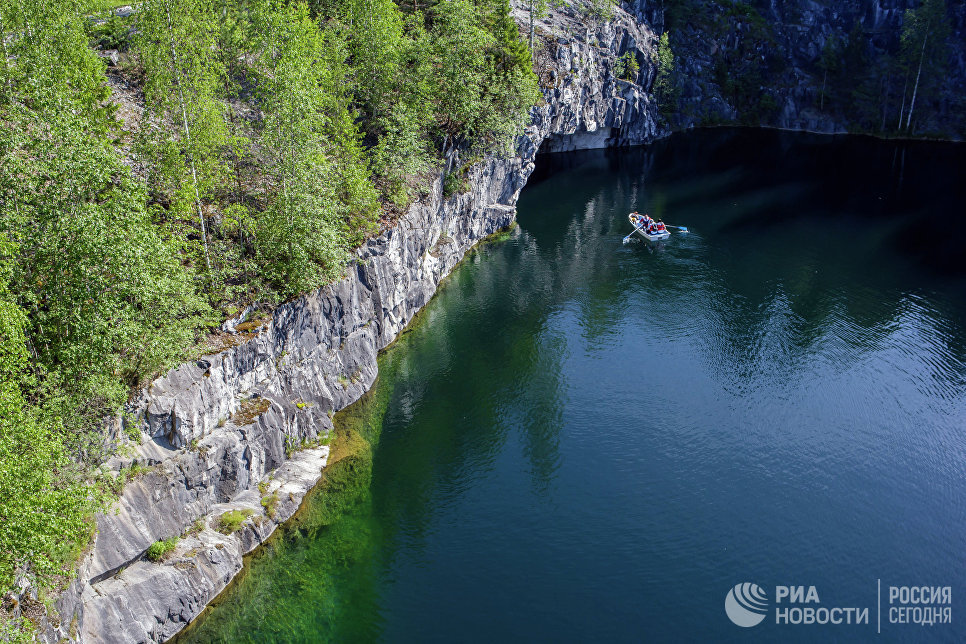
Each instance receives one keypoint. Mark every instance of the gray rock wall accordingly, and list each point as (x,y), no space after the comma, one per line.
(316,355)
(801,29)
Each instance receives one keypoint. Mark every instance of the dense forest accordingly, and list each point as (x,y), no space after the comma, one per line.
(253,145)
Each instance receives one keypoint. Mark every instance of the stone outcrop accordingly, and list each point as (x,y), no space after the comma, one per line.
(588,105)
(245,428)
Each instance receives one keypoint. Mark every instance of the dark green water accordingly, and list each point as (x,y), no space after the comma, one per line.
(583,440)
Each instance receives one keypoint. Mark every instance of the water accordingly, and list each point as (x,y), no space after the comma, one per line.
(583,440)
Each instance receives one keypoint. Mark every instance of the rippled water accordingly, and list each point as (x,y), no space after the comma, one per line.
(583,440)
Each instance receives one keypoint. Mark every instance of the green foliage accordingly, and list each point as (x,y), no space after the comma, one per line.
(924,54)
(829,64)
(114,32)
(232,520)
(176,47)
(477,101)
(740,70)
(599,9)
(535,9)
(90,295)
(665,89)
(270,503)
(45,500)
(49,66)
(103,290)
(318,177)
(627,66)
(455,182)
(103,5)
(158,550)
(878,91)
(17,631)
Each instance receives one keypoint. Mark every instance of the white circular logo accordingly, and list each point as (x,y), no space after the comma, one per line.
(746,604)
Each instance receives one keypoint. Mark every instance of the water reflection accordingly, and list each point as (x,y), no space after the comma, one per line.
(585,440)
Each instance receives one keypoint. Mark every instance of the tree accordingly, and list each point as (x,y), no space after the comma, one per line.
(665,91)
(231,39)
(740,70)
(829,64)
(48,63)
(102,290)
(389,83)
(319,181)
(177,48)
(627,67)
(459,43)
(106,297)
(374,35)
(535,9)
(479,99)
(924,34)
(45,501)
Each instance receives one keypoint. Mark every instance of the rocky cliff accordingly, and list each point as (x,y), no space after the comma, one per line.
(244,431)
(760,62)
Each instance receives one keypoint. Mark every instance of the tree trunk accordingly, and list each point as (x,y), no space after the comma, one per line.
(228,62)
(187,133)
(821,105)
(912,103)
(6,59)
(902,109)
(884,100)
(531,26)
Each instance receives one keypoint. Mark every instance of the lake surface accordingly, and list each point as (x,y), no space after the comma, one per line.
(582,440)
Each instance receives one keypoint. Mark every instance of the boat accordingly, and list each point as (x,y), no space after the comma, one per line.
(648,228)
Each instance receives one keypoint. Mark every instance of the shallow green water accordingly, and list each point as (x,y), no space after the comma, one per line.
(584,440)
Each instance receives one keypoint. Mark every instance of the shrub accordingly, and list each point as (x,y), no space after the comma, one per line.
(196,528)
(270,503)
(232,520)
(455,183)
(160,549)
(627,67)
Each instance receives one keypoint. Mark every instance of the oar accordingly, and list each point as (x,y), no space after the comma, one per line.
(683,229)
(628,238)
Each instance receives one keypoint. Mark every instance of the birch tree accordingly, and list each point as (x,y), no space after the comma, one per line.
(316,170)
(924,34)
(184,82)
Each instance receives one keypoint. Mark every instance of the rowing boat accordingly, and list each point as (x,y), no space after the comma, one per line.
(641,224)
